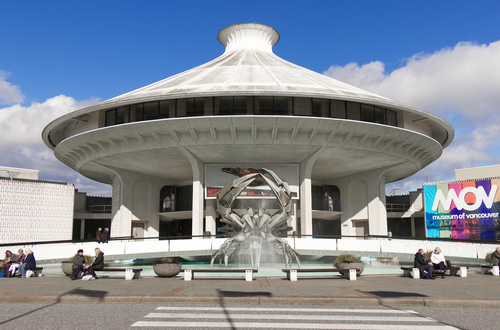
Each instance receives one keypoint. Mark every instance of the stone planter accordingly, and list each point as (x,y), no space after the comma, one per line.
(67,268)
(167,270)
(358,265)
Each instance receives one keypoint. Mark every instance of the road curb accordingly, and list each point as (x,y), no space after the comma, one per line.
(215,300)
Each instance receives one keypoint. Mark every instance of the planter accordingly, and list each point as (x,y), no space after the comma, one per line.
(167,270)
(67,268)
(358,265)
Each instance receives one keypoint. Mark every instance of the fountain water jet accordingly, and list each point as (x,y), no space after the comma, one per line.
(255,231)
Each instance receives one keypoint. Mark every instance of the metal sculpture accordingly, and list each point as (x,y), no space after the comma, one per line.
(254,227)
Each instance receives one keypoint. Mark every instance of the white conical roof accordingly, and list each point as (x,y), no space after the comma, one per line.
(248,66)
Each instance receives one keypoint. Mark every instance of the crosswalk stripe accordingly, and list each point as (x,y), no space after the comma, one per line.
(292,317)
(309,310)
(246,325)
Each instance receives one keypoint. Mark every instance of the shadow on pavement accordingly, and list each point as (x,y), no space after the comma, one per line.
(244,294)
(393,294)
(77,291)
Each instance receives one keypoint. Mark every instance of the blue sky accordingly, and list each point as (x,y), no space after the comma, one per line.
(58,56)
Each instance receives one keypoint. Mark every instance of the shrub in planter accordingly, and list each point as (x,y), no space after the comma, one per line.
(344,261)
(67,265)
(167,267)
(487,258)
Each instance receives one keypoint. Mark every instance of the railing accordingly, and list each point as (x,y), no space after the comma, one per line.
(397,207)
(99,208)
(367,237)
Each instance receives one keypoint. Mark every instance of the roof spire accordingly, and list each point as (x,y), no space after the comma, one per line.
(248,36)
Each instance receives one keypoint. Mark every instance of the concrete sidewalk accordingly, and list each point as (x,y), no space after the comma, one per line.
(476,290)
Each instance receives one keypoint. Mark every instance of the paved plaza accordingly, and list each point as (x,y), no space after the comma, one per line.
(476,290)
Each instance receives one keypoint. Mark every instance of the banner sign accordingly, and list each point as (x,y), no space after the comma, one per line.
(463,210)
(216,176)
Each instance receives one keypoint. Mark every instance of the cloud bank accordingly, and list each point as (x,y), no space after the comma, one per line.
(21,144)
(459,84)
(9,94)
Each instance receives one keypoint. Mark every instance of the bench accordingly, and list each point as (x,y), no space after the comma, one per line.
(137,271)
(454,270)
(494,270)
(349,273)
(189,273)
(37,271)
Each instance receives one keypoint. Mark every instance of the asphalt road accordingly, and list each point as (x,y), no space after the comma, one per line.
(152,316)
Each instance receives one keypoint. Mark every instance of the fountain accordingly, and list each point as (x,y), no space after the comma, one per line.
(255,232)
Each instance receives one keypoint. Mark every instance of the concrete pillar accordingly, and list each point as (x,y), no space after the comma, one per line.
(198,193)
(210,216)
(82,229)
(305,170)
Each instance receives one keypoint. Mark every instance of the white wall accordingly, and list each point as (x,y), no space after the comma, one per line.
(116,248)
(32,211)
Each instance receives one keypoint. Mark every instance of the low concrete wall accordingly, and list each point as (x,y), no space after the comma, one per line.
(155,248)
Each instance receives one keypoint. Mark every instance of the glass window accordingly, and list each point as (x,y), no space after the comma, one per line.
(379,115)
(337,109)
(282,106)
(367,113)
(265,105)
(320,108)
(392,118)
(151,110)
(224,105)
(164,111)
(137,112)
(241,104)
(180,110)
(110,117)
(353,110)
(122,115)
(302,106)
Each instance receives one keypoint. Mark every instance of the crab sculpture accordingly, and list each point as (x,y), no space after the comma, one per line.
(254,228)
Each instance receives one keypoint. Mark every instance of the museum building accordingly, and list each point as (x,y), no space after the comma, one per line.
(168,147)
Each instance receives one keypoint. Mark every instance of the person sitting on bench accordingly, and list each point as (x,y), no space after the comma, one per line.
(438,260)
(422,264)
(495,257)
(98,263)
(78,264)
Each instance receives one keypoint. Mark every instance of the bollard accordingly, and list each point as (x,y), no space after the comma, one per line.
(248,275)
(495,270)
(462,272)
(129,274)
(415,273)
(352,274)
(293,275)
(188,275)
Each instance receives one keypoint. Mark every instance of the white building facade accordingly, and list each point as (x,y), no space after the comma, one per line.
(246,109)
(32,210)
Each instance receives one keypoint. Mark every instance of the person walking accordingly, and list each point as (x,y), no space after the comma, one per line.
(105,235)
(98,235)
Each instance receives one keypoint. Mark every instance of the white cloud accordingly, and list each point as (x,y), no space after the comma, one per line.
(461,79)
(460,84)
(21,143)
(9,93)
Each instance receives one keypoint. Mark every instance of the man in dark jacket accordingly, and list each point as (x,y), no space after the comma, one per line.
(495,257)
(422,264)
(78,264)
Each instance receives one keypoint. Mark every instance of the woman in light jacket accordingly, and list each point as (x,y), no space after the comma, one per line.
(438,260)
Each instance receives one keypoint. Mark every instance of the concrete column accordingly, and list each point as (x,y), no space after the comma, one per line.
(198,194)
(413,227)
(210,216)
(305,169)
(82,229)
